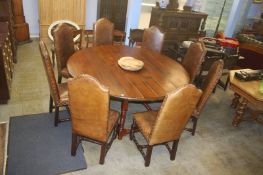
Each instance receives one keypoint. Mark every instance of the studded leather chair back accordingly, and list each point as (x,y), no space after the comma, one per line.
(174,113)
(89,107)
(209,84)
(103,32)
(193,59)
(153,39)
(49,72)
(64,44)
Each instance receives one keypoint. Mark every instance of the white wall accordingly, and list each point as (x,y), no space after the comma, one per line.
(31,15)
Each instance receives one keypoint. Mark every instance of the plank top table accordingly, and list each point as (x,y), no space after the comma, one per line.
(245,93)
(159,75)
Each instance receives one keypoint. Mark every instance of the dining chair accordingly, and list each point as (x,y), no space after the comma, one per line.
(211,80)
(153,39)
(64,48)
(135,37)
(92,120)
(103,32)
(167,124)
(58,92)
(193,59)
(52,28)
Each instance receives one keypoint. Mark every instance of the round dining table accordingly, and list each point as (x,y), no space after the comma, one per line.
(159,75)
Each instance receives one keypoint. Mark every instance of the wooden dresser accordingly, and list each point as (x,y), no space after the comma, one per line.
(54,10)
(6,15)
(6,63)
(178,25)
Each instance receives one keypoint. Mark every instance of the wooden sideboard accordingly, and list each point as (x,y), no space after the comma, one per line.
(6,15)
(6,63)
(178,25)
(54,10)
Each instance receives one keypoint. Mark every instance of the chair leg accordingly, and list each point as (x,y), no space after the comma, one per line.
(132,130)
(59,79)
(174,149)
(102,153)
(194,120)
(53,57)
(74,143)
(148,155)
(50,104)
(56,115)
(226,84)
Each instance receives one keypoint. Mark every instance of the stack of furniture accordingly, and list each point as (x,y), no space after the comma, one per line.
(178,25)
(6,15)
(54,10)
(251,46)
(6,63)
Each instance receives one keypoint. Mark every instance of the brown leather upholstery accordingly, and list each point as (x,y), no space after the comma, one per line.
(193,59)
(89,108)
(103,32)
(167,124)
(208,86)
(58,93)
(64,48)
(153,39)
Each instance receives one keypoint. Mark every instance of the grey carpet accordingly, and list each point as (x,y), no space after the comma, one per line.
(37,147)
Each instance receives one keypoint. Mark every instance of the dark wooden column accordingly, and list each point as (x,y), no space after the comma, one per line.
(21,27)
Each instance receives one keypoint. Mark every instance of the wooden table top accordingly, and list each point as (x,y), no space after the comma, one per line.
(159,75)
(248,89)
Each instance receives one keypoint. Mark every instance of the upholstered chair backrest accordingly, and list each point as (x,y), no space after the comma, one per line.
(174,113)
(153,39)
(209,84)
(103,32)
(89,107)
(193,59)
(64,44)
(49,72)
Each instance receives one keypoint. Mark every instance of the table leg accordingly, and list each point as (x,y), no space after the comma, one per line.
(235,100)
(239,112)
(122,130)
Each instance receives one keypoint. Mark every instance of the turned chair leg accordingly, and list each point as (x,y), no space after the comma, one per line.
(194,120)
(74,143)
(148,155)
(56,115)
(174,149)
(102,153)
(50,104)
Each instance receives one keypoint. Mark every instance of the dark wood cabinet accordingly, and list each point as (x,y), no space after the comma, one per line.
(115,11)
(6,15)
(178,25)
(6,63)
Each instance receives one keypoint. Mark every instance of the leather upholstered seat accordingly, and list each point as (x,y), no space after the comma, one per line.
(167,124)
(103,32)
(58,92)
(92,119)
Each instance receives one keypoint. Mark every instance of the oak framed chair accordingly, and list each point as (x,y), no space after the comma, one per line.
(209,84)
(167,124)
(135,37)
(103,32)
(193,59)
(92,119)
(153,39)
(58,92)
(64,48)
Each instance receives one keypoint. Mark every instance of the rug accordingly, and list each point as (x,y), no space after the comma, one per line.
(37,147)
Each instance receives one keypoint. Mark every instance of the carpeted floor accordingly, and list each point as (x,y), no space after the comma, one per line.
(37,147)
